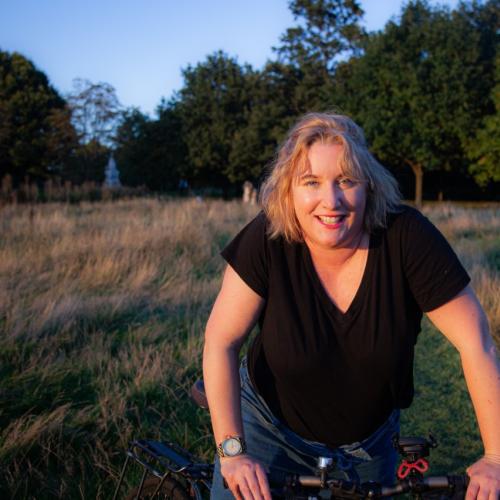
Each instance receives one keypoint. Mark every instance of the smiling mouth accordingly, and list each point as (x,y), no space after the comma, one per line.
(331,220)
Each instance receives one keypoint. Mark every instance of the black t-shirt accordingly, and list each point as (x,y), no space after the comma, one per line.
(334,377)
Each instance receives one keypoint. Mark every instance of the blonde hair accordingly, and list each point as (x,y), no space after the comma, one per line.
(356,162)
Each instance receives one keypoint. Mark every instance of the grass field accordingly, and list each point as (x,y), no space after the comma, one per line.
(102,310)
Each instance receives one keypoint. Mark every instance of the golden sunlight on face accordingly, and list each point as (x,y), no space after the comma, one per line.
(329,205)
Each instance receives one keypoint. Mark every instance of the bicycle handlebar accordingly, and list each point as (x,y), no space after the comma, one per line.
(162,459)
(343,489)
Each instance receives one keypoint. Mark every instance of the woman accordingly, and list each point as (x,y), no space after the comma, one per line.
(337,274)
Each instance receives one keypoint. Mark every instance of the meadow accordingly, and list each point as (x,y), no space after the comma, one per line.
(102,311)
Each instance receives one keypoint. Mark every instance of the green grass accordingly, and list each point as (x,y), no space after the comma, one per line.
(442,405)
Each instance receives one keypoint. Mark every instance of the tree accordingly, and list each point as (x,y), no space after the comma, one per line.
(86,163)
(213,106)
(130,146)
(36,134)
(326,30)
(151,152)
(274,108)
(95,108)
(62,140)
(419,89)
(485,147)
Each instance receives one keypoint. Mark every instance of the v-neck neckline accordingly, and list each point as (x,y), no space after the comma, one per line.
(323,294)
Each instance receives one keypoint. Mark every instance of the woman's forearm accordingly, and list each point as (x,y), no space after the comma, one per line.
(222,386)
(482,374)
(234,314)
(464,323)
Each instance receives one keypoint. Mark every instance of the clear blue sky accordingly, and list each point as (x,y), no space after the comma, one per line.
(140,46)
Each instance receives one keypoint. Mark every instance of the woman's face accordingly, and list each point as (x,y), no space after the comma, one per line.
(329,206)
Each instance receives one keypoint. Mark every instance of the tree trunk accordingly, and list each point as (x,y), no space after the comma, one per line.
(419,182)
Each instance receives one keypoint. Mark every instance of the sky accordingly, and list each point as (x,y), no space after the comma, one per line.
(141,46)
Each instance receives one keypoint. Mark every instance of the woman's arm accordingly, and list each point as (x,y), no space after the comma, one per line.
(464,323)
(234,314)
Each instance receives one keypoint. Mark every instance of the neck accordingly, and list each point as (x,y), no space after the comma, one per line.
(337,257)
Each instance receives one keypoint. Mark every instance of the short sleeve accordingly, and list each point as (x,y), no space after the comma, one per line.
(434,272)
(247,254)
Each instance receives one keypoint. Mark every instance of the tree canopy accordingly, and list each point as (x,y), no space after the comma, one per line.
(150,152)
(325,30)
(95,108)
(214,103)
(419,88)
(36,134)
(485,147)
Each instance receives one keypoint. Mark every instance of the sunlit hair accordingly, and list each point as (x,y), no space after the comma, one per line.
(356,162)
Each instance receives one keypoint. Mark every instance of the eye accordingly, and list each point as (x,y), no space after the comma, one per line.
(345,183)
(311,183)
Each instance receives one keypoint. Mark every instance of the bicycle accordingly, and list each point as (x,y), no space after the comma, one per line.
(175,474)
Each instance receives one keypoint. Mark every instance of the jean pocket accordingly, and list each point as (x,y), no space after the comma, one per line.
(380,442)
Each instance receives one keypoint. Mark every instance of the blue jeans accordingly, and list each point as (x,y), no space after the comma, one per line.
(282,452)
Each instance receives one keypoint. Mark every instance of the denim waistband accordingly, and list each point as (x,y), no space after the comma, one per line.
(352,452)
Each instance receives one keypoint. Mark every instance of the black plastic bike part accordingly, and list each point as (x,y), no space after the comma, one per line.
(170,456)
(413,448)
(161,450)
(306,487)
(198,394)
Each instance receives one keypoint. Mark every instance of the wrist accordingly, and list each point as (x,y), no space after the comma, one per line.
(229,459)
(231,446)
(493,458)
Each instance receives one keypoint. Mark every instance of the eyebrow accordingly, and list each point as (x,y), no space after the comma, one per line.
(307,175)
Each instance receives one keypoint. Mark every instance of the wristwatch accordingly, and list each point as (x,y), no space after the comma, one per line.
(232,446)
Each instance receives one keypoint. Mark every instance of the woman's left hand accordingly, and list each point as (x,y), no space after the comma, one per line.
(484,479)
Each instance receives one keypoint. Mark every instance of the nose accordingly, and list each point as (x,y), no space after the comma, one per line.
(331,196)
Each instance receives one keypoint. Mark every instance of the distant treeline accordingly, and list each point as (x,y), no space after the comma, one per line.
(426,90)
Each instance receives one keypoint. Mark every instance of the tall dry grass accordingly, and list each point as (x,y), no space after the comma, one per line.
(475,236)
(102,308)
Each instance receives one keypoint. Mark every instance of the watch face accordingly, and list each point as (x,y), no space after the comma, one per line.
(231,447)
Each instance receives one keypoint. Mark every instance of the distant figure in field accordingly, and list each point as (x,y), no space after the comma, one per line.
(183,187)
(249,193)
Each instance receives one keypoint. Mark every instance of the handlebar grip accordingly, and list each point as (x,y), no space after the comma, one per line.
(457,483)
(461,481)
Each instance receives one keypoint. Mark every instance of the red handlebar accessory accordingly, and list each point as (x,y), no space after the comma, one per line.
(421,466)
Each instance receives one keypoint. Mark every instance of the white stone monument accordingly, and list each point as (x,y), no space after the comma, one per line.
(112,174)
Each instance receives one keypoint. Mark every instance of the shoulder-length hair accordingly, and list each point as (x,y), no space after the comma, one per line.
(356,162)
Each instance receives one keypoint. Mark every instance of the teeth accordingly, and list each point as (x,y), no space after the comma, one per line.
(331,220)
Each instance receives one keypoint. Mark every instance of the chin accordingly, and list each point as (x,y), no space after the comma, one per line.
(326,242)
